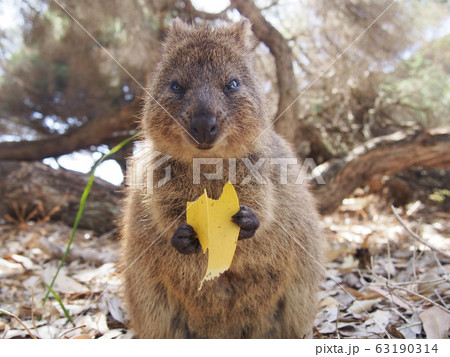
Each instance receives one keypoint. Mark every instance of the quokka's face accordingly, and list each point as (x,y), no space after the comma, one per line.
(206,100)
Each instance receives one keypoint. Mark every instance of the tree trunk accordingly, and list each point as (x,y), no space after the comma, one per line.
(287,121)
(31,185)
(384,155)
(288,110)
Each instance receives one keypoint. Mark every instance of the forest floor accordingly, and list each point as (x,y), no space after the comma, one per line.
(380,279)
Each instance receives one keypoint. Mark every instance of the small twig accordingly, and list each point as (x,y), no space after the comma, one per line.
(398,313)
(440,298)
(19,321)
(440,280)
(390,294)
(416,236)
(32,310)
(70,330)
(393,297)
(422,297)
(337,323)
(414,260)
(444,272)
(5,332)
(109,234)
(409,325)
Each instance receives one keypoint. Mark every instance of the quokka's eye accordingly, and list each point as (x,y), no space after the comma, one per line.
(175,86)
(233,85)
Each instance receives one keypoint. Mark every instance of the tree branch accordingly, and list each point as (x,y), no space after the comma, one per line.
(95,132)
(385,155)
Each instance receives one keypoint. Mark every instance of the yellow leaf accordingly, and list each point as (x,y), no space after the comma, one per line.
(217,233)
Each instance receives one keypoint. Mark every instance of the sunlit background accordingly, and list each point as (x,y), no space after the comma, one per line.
(81,161)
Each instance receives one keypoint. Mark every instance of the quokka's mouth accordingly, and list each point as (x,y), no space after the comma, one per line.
(204,146)
(199,146)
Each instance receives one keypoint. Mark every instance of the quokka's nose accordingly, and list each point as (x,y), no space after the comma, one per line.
(204,128)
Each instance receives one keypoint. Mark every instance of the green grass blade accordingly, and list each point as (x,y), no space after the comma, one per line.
(83,199)
(58,298)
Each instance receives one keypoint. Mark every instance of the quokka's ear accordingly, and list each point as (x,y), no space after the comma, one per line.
(242,31)
(177,23)
(178,27)
(244,26)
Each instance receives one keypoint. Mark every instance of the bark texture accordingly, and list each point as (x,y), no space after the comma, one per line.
(28,185)
(385,155)
(288,111)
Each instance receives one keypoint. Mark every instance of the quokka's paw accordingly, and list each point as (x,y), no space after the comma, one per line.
(247,220)
(185,239)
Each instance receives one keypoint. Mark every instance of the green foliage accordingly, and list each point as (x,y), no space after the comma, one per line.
(420,86)
(413,92)
(60,73)
(439,196)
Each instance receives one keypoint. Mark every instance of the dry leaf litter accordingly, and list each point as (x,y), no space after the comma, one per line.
(379,282)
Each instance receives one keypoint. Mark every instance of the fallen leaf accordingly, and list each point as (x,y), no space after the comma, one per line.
(95,324)
(430,281)
(82,337)
(8,268)
(48,331)
(355,293)
(14,333)
(378,321)
(352,280)
(111,334)
(352,330)
(389,268)
(114,307)
(73,309)
(26,262)
(413,328)
(436,322)
(217,233)
(63,284)
(329,314)
(100,274)
(329,302)
(326,327)
(394,332)
(360,306)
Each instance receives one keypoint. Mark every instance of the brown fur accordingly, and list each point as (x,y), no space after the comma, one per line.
(270,289)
